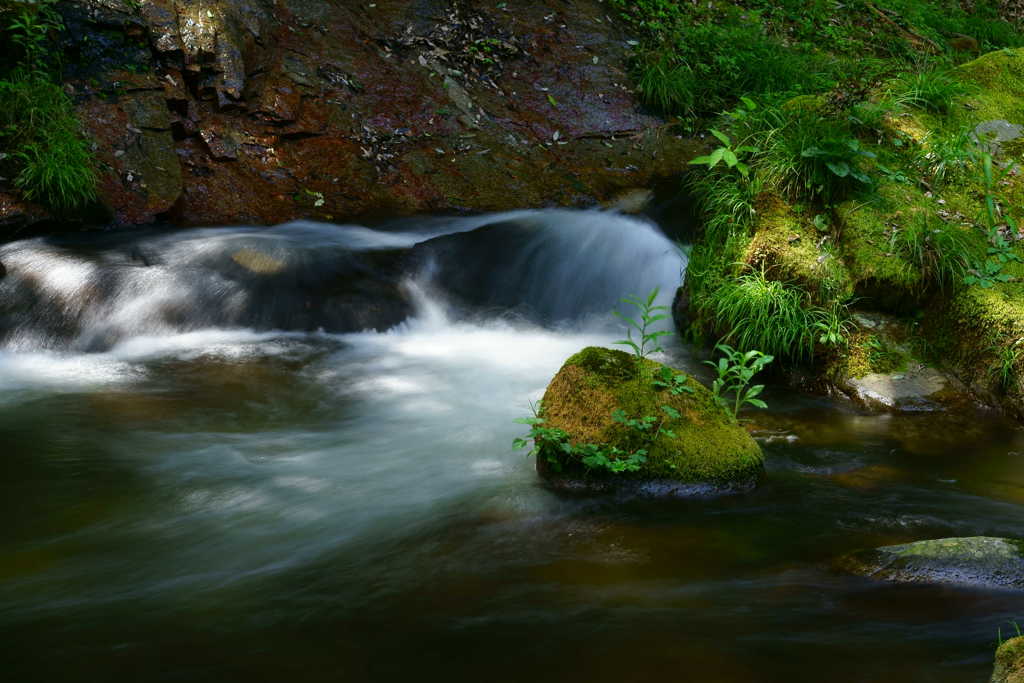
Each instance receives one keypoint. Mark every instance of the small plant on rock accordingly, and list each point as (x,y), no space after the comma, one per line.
(676,383)
(593,456)
(735,371)
(647,343)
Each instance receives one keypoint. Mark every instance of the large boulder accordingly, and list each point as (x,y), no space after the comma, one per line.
(977,561)
(692,447)
(1009,662)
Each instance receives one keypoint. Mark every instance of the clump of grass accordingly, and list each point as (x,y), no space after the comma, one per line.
(768,315)
(726,200)
(944,254)
(933,90)
(1008,361)
(810,155)
(53,160)
(49,159)
(948,156)
(665,84)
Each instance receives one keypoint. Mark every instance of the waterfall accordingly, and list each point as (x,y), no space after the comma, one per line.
(556,267)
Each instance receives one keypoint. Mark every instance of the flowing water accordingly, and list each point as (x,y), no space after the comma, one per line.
(200,484)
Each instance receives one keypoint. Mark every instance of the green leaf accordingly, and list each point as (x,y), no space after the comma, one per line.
(716,156)
(730,158)
(519,443)
(702,160)
(722,137)
(627,319)
(630,343)
(757,403)
(840,168)
(552,101)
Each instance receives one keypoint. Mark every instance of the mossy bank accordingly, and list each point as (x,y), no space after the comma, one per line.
(792,257)
(693,446)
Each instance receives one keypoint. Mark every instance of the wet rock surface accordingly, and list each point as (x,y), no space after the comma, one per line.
(979,562)
(917,388)
(234,111)
(908,385)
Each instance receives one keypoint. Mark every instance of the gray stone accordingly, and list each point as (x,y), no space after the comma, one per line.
(918,388)
(993,134)
(977,561)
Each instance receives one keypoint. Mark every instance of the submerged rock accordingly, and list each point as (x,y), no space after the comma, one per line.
(978,561)
(1009,662)
(916,389)
(692,446)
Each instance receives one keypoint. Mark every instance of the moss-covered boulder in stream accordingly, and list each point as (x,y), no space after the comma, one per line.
(1009,662)
(606,410)
(977,561)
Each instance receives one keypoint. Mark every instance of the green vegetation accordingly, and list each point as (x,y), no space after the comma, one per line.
(855,181)
(759,313)
(933,90)
(735,370)
(648,341)
(602,415)
(695,59)
(549,440)
(726,154)
(943,254)
(47,156)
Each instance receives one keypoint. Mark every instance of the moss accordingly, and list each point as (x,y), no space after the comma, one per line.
(1010,662)
(974,328)
(709,445)
(879,274)
(976,561)
(999,80)
(788,248)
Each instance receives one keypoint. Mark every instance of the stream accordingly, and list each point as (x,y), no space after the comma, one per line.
(212,470)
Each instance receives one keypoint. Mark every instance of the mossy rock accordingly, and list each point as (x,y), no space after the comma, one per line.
(1009,662)
(977,561)
(709,454)
(787,247)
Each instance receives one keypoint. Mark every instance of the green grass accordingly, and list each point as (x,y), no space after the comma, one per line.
(807,154)
(45,153)
(770,316)
(665,84)
(930,89)
(728,201)
(52,161)
(943,253)
(947,156)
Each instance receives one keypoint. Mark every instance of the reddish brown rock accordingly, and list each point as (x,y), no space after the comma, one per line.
(259,111)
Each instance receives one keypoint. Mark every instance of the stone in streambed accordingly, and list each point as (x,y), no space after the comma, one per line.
(976,562)
(710,453)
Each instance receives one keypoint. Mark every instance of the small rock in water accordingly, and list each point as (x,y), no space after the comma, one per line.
(976,562)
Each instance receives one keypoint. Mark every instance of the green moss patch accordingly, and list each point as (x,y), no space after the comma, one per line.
(708,446)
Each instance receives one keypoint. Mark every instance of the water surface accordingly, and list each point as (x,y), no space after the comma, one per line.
(195,503)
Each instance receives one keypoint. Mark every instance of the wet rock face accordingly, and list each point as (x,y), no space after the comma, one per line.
(228,111)
(979,562)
